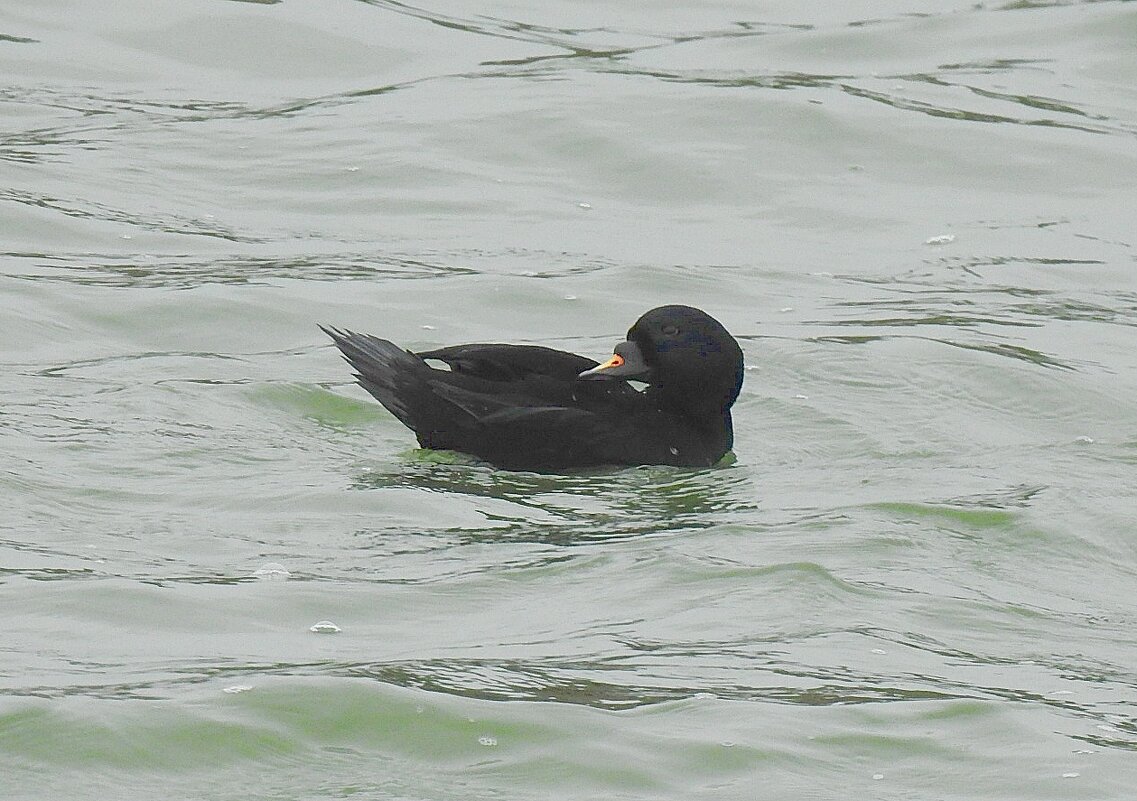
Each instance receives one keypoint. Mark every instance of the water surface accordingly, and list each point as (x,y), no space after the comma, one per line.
(915,580)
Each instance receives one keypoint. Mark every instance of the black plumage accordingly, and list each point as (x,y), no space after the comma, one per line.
(525,407)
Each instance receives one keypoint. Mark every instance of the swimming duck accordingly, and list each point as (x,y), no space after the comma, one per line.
(527,407)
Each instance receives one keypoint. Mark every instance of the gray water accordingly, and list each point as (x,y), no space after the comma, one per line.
(915,581)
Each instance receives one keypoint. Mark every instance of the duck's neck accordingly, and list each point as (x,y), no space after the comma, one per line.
(697,408)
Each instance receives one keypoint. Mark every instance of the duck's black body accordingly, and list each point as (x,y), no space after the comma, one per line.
(523,407)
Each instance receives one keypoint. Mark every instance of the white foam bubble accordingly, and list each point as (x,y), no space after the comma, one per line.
(272,571)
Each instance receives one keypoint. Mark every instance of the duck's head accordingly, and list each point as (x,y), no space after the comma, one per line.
(684,353)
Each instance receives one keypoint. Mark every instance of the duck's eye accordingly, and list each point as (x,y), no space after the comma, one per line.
(670,329)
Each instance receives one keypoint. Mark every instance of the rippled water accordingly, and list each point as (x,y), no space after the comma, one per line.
(916,581)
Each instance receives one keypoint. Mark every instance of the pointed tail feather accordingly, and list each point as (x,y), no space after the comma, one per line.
(382,368)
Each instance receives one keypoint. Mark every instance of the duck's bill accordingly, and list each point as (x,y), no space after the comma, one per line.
(627,363)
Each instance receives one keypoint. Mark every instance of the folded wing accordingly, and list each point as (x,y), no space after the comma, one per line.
(511,362)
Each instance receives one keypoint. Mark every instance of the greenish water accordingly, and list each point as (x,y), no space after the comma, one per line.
(915,581)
